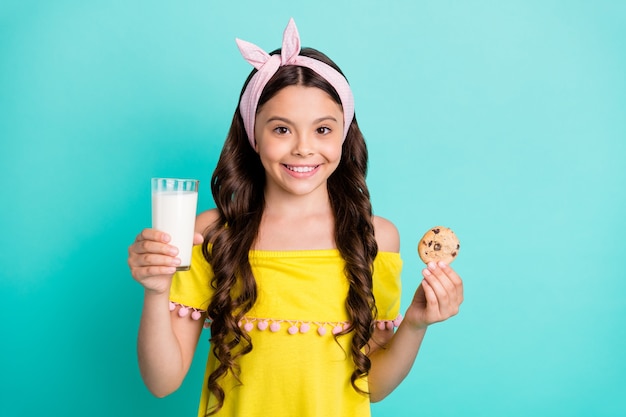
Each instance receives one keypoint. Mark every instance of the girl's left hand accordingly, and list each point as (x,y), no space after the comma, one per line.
(438,297)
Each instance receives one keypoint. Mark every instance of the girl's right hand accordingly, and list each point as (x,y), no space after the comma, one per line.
(152,261)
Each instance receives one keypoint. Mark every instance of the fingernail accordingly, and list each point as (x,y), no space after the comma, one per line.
(427,272)
(442,264)
(166,238)
(176,261)
(432,265)
(173,251)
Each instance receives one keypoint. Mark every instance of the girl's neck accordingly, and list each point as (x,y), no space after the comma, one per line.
(297,223)
(288,205)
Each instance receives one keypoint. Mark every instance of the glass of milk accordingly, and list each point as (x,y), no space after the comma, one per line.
(174,205)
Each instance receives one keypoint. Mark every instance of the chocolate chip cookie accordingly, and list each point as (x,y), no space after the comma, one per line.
(439,244)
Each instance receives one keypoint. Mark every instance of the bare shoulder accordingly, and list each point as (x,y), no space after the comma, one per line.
(387,235)
(205,219)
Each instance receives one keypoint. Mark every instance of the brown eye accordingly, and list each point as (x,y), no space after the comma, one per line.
(324,130)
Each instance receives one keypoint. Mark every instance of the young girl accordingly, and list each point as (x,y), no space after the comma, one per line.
(297,280)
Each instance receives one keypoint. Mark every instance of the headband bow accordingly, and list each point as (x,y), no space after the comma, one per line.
(267,65)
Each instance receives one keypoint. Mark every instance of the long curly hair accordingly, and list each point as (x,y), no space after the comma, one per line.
(237,185)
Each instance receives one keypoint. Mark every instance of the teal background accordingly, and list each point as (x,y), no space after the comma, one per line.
(504,120)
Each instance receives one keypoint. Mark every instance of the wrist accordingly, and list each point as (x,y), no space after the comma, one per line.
(155,293)
(415,319)
(418,326)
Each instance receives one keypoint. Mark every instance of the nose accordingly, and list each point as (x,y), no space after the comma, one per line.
(303,146)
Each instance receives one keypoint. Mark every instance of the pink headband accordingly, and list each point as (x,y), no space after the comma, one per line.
(267,65)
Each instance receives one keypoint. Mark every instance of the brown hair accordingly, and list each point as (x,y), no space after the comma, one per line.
(237,185)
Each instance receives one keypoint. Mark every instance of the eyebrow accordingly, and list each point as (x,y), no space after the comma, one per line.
(285,120)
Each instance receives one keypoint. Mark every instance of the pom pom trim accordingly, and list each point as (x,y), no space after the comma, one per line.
(292,327)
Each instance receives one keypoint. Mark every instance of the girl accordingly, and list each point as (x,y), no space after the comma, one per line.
(297,280)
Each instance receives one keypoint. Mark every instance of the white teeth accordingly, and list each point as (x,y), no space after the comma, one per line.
(300,169)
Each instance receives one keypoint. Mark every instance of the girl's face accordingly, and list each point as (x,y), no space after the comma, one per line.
(299,134)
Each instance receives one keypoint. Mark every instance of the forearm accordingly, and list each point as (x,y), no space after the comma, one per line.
(158,350)
(392,363)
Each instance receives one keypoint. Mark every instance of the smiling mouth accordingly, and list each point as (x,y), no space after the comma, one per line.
(301,169)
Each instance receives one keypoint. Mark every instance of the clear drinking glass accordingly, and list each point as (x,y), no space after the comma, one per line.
(174,205)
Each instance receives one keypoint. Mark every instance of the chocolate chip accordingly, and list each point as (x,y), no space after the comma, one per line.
(436,231)
(458,246)
(437,246)
(430,243)
(453,254)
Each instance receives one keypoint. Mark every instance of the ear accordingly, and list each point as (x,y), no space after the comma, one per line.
(256,144)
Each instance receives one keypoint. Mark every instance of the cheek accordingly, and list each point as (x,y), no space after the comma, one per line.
(333,152)
(269,154)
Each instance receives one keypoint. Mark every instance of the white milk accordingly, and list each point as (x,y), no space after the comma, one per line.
(175,214)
